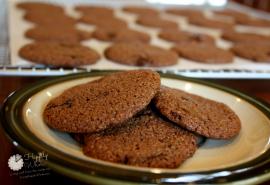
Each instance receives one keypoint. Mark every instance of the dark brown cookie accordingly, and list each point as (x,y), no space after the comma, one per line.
(178,36)
(64,34)
(200,115)
(204,53)
(140,10)
(257,52)
(40,6)
(252,21)
(59,54)
(232,13)
(139,54)
(49,19)
(156,22)
(102,104)
(95,10)
(244,37)
(185,12)
(146,140)
(104,21)
(211,23)
(120,35)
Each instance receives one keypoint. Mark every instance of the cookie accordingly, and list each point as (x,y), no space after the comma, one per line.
(120,35)
(59,54)
(140,10)
(139,54)
(146,140)
(40,6)
(197,114)
(95,10)
(244,37)
(258,52)
(185,12)
(104,22)
(232,13)
(252,21)
(203,53)
(156,22)
(102,104)
(64,34)
(211,23)
(51,19)
(178,36)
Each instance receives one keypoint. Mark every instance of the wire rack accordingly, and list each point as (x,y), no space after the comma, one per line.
(8,70)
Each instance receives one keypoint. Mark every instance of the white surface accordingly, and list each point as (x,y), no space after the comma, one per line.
(252,141)
(17,27)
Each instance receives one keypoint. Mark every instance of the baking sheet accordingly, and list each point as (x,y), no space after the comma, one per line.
(17,27)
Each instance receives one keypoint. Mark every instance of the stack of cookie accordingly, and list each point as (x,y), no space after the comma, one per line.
(57,40)
(129,118)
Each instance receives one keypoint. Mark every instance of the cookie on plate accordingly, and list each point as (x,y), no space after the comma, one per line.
(244,37)
(258,52)
(211,23)
(140,10)
(64,34)
(178,36)
(59,54)
(140,54)
(185,12)
(102,104)
(203,53)
(120,35)
(103,21)
(156,22)
(146,140)
(197,114)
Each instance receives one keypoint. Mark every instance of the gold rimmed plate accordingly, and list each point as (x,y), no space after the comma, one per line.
(244,159)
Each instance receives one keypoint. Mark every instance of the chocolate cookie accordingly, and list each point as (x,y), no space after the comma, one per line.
(59,54)
(146,140)
(200,115)
(49,19)
(104,21)
(252,21)
(211,23)
(178,36)
(95,10)
(120,35)
(139,54)
(185,12)
(244,37)
(156,22)
(40,6)
(102,104)
(140,10)
(232,13)
(64,34)
(258,52)
(204,53)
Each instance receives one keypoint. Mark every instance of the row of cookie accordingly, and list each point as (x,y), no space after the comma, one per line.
(129,118)
(196,16)
(215,55)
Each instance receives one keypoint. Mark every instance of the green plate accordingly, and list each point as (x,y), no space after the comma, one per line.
(242,160)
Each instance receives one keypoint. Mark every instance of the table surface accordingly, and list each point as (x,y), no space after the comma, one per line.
(255,88)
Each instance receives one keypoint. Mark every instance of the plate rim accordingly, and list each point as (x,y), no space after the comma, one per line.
(11,115)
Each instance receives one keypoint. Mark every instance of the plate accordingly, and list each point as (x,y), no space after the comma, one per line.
(243,160)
